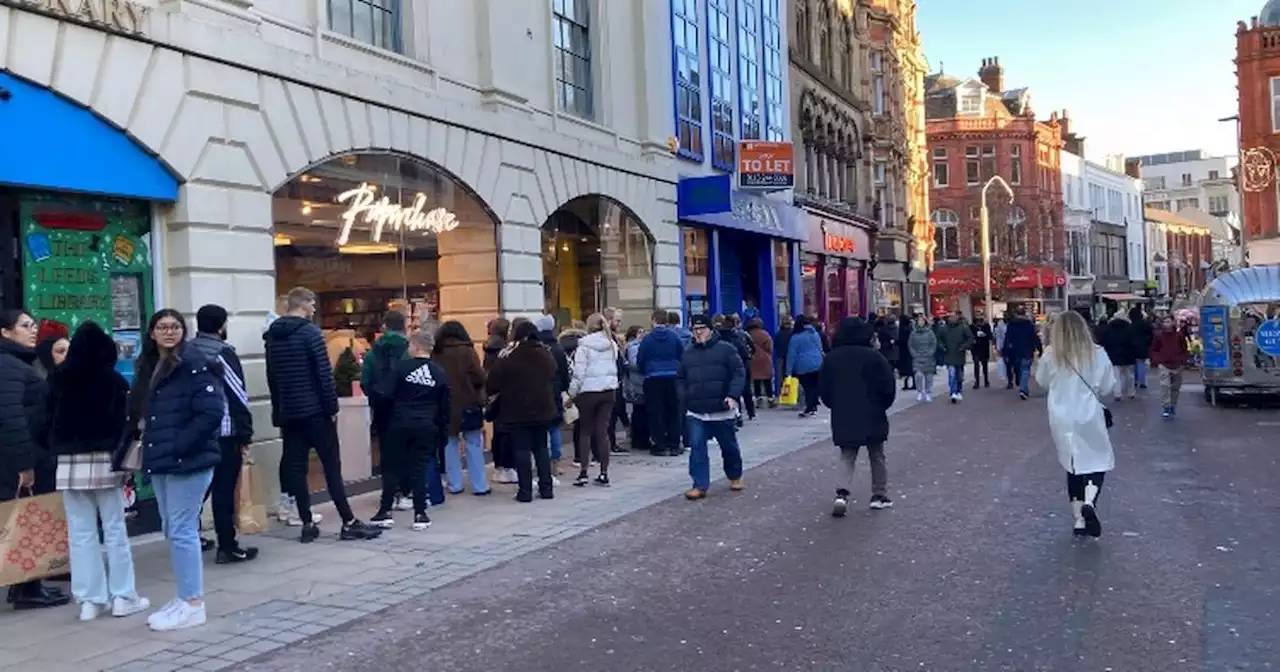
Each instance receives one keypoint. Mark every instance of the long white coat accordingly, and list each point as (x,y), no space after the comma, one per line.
(595,365)
(1075,415)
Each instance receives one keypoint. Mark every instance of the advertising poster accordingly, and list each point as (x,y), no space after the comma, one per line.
(1215,353)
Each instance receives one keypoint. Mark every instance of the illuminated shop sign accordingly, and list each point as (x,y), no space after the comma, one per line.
(381,213)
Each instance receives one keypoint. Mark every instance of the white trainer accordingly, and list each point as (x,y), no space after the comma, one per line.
(123,606)
(182,616)
(90,611)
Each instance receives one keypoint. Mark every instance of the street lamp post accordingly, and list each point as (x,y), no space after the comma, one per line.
(984,222)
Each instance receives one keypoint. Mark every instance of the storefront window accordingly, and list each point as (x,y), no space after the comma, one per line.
(781,276)
(597,255)
(376,232)
(697,247)
(836,294)
(809,283)
(888,296)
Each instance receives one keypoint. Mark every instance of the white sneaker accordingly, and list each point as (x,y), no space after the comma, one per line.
(555,481)
(511,476)
(919,396)
(294,520)
(403,504)
(123,606)
(182,616)
(90,611)
(928,397)
(159,613)
(959,397)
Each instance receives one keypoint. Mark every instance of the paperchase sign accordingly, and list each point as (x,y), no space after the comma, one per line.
(120,16)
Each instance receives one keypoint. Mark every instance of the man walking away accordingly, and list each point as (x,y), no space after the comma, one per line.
(1021,342)
(711,376)
(390,348)
(417,394)
(1143,333)
(981,351)
(304,405)
(1117,339)
(957,339)
(658,359)
(235,435)
(857,384)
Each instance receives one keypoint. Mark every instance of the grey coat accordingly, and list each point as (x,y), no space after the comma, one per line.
(923,345)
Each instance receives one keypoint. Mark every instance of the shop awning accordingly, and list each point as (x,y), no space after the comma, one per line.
(1123,297)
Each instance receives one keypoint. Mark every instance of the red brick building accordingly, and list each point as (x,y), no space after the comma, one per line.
(977,129)
(1258,70)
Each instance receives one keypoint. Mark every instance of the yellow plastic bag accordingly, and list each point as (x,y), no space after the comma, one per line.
(790,391)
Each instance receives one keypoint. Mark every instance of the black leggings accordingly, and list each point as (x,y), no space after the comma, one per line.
(762,387)
(1077,482)
(809,384)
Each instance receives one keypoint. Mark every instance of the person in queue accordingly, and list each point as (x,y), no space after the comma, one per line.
(805,351)
(521,386)
(89,408)
(594,388)
(391,347)
(417,392)
(711,376)
(456,355)
(304,405)
(658,359)
(26,468)
(176,408)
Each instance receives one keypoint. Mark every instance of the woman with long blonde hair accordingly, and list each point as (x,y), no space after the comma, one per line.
(593,389)
(1078,375)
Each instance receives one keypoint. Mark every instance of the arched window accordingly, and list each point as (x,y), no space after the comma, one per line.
(946,235)
(804,30)
(1018,237)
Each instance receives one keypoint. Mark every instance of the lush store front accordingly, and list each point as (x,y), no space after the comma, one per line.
(374,232)
(741,251)
(76,207)
(834,269)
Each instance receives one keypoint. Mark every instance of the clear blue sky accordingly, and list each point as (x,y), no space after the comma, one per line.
(1138,76)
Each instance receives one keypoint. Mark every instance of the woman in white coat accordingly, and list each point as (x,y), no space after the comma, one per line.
(1078,375)
(594,388)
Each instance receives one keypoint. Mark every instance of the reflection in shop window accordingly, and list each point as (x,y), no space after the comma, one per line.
(597,255)
(781,279)
(696,262)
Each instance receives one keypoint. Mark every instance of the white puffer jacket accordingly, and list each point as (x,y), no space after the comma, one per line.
(595,365)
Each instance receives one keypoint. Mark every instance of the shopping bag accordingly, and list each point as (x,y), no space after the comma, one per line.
(33,539)
(790,391)
(251,502)
(1000,369)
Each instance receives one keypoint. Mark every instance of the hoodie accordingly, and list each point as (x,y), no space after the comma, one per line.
(393,346)
(237,420)
(659,353)
(299,375)
(595,365)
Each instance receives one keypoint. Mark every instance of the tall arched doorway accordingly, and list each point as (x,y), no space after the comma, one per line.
(375,232)
(596,254)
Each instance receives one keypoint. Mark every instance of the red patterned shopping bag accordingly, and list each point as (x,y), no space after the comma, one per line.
(33,539)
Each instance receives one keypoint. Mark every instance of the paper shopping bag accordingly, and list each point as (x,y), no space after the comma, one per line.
(251,502)
(33,539)
(790,391)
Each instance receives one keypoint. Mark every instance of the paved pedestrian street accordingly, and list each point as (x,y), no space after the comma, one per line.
(974,569)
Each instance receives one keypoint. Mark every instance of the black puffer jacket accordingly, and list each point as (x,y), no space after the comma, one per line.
(88,398)
(299,375)
(417,394)
(858,385)
(1116,337)
(710,373)
(524,381)
(183,415)
(23,414)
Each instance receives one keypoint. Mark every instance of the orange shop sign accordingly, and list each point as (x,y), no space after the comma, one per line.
(834,243)
(766,165)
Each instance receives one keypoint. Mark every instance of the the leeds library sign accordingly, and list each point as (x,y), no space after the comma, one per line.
(120,16)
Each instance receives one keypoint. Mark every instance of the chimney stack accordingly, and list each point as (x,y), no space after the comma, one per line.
(992,74)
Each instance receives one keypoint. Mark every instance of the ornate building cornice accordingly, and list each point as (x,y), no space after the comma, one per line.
(829,125)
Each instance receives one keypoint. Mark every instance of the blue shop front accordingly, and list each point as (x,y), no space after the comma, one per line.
(741,251)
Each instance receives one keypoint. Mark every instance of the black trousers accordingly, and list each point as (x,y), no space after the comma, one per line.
(619,415)
(222,492)
(749,400)
(809,385)
(532,452)
(980,372)
(406,458)
(640,437)
(662,402)
(1011,373)
(762,387)
(300,437)
(1077,482)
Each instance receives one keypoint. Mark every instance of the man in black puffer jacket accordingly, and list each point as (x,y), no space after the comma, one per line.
(710,379)
(304,405)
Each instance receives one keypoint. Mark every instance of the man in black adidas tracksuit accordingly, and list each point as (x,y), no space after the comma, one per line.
(417,394)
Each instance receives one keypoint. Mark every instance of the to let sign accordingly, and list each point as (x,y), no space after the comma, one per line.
(766,165)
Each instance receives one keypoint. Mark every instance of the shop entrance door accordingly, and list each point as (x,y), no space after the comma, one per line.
(10,272)
(740,280)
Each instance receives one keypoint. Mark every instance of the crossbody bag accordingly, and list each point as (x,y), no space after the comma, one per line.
(1106,411)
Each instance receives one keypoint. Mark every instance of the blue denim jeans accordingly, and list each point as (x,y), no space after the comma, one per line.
(955,379)
(725,432)
(556,441)
(473,441)
(435,485)
(1140,372)
(91,580)
(179,498)
(1024,375)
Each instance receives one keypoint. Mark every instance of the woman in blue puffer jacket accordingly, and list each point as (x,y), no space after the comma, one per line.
(804,360)
(176,406)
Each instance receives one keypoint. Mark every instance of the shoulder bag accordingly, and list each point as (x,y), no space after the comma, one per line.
(1106,411)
